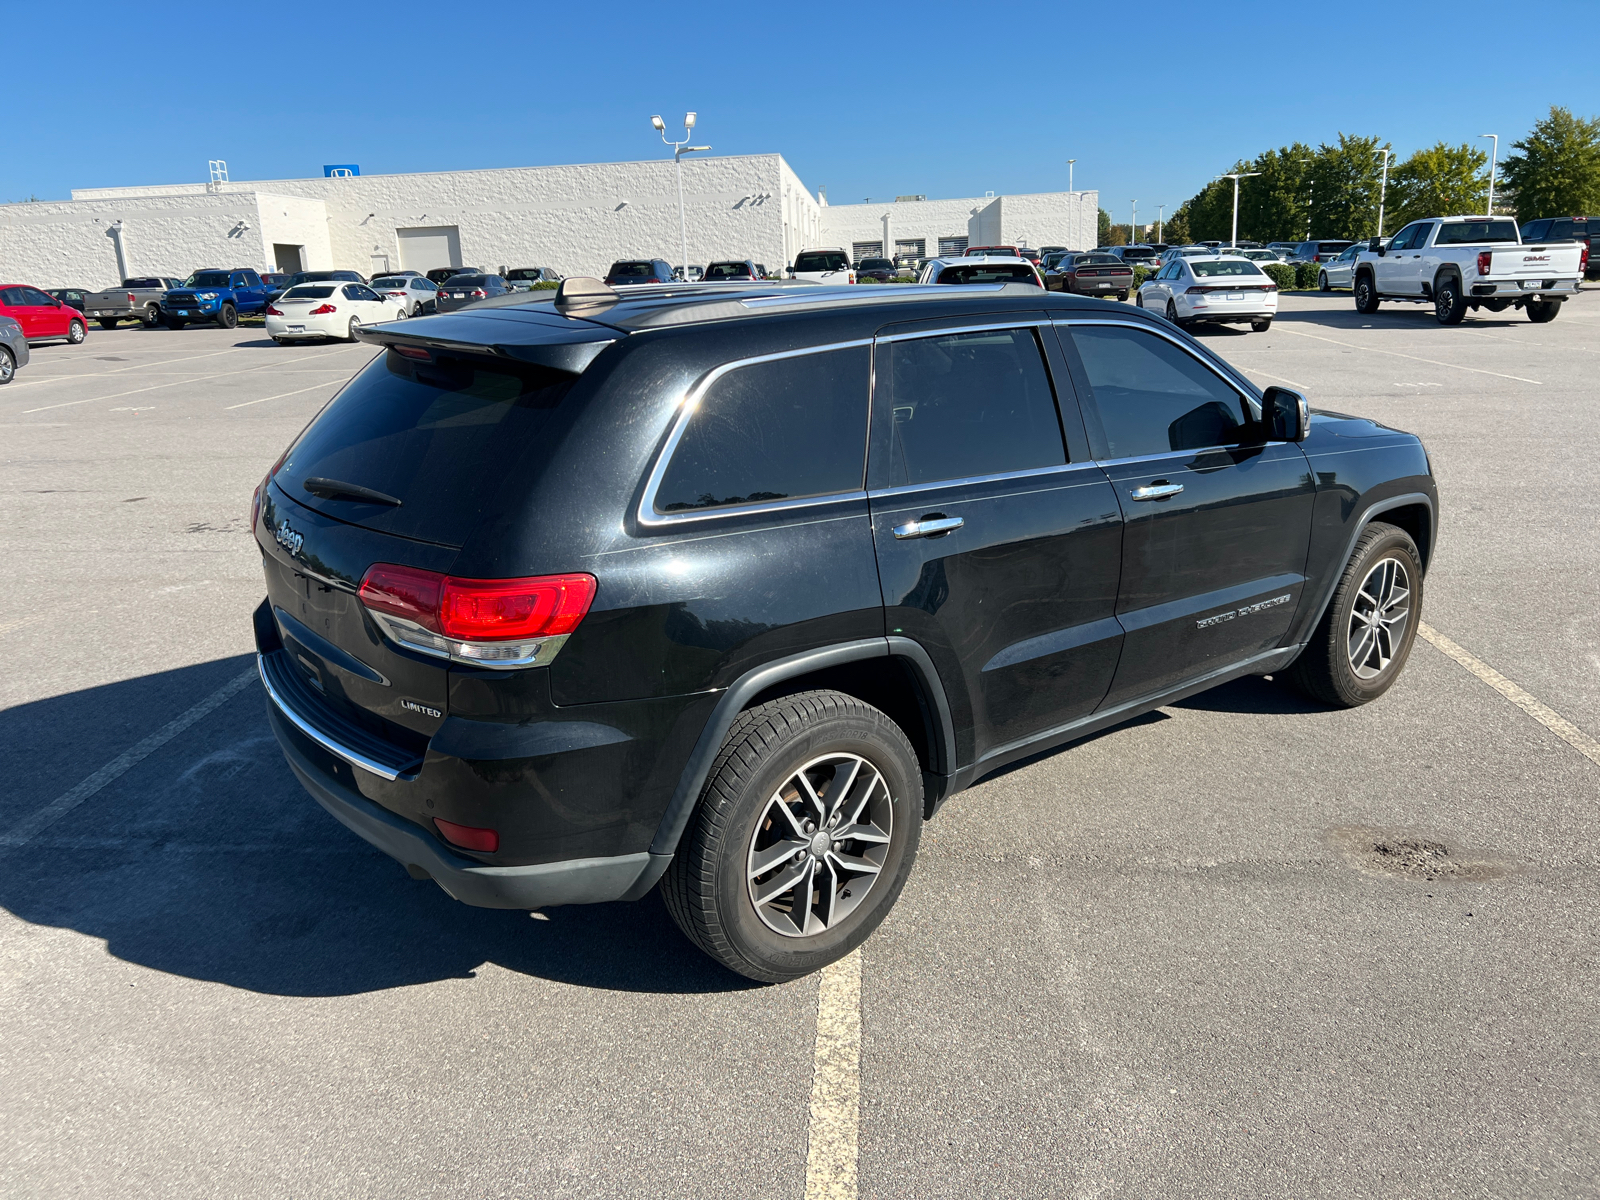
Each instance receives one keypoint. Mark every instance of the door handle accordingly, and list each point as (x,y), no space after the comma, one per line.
(1157,491)
(927,527)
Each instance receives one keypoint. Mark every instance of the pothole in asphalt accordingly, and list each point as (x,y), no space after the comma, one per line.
(1406,854)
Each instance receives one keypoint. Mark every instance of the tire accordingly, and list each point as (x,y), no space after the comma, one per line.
(1138,300)
(1542,311)
(1341,665)
(76,332)
(1172,314)
(1366,295)
(281,341)
(108,322)
(172,322)
(752,790)
(1449,305)
(403,314)
(1322,282)
(350,333)
(227,317)
(1261,326)
(151,317)
(8,366)
(1122,295)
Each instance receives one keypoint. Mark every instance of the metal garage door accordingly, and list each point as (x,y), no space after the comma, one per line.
(425,249)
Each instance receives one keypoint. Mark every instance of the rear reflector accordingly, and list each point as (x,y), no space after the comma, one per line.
(468,837)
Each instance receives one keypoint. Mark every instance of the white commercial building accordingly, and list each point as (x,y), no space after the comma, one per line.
(576,219)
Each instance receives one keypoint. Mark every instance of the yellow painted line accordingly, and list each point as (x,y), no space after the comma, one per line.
(1535,708)
(1414,358)
(836,1084)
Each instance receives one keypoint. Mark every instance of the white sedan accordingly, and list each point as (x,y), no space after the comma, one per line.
(416,292)
(328,310)
(1228,289)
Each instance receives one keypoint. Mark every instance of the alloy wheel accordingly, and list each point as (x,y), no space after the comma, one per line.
(75,333)
(7,367)
(1378,618)
(819,845)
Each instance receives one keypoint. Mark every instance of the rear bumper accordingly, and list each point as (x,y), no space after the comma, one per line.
(573,881)
(1547,287)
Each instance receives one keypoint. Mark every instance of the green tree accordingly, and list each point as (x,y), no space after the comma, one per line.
(1555,171)
(1436,182)
(1346,179)
(1272,206)
(1103,234)
(1175,229)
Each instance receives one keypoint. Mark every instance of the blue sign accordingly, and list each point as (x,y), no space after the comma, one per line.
(340,169)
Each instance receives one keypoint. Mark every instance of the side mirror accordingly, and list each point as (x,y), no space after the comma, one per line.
(1285,415)
(1376,246)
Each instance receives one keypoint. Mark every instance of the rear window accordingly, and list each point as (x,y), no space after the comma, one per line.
(822,260)
(1224,267)
(987,273)
(1465,233)
(524,273)
(1091,260)
(308,292)
(399,282)
(461,281)
(776,430)
(633,270)
(728,270)
(1330,247)
(143,283)
(441,437)
(876,264)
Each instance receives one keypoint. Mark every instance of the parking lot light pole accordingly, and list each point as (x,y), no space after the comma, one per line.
(1233,243)
(1161,211)
(1070,161)
(1494,158)
(679,149)
(1133,221)
(1383,188)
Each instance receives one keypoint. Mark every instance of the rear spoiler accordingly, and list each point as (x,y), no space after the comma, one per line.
(560,344)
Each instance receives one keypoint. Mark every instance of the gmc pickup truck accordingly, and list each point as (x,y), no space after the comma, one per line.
(219,296)
(1457,263)
(137,298)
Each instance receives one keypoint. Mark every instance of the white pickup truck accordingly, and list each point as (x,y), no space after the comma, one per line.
(1457,263)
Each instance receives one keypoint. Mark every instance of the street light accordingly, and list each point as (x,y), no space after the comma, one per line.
(1494,158)
(679,149)
(1161,211)
(1383,188)
(1236,176)
(1133,221)
(1070,161)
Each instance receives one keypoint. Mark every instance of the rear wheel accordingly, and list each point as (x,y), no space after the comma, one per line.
(1261,326)
(805,833)
(355,327)
(1540,311)
(76,332)
(227,317)
(1362,642)
(1172,314)
(1322,282)
(151,317)
(1366,295)
(1122,295)
(281,341)
(108,322)
(1449,305)
(8,366)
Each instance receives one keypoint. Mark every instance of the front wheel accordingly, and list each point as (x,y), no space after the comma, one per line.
(1366,295)
(1449,305)
(806,831)
(1541,311)
(227,317)
(1362,642)
(76,333)
(1138,300)
(1322,282)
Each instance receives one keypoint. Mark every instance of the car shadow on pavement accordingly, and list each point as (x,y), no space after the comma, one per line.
(1254,695)
(208,860)
(1421,317)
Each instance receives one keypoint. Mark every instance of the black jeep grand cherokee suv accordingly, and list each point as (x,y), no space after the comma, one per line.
(566,598)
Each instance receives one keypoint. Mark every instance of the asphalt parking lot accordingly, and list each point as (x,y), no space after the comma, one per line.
(1165,962)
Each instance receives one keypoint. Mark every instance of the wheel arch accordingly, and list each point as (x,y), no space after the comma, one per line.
(893,674)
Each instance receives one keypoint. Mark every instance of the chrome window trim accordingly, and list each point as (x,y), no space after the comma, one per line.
(647,515)
(1032,473)
(1002,322)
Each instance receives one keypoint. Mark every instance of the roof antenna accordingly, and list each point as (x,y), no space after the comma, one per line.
(583,291)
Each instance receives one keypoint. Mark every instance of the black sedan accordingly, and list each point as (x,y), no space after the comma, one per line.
(461,290)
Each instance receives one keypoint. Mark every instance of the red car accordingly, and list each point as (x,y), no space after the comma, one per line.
(41,316)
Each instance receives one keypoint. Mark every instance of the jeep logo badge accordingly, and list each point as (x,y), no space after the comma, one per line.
(288,538)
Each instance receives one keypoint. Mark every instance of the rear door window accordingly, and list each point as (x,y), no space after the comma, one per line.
(963,405)
(439,436)
(822,260)
(1152,396)
(779,430)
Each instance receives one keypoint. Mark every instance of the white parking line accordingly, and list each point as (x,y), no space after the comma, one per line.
(1414,358)
(832,1153)
(20,833)
(154,386)
(1539,711)
(279,396)
(120,370)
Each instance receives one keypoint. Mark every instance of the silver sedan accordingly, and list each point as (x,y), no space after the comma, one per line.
(1339,272)
(13,349)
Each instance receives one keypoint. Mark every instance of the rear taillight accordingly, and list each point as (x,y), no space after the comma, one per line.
(1583,259)
(274,311)
(468,837)
(492,622)
(479,294)
(1485,259)
(323,309)
(131,302)
(1199,291)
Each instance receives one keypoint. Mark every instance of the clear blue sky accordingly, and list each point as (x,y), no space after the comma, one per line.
(868,99)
